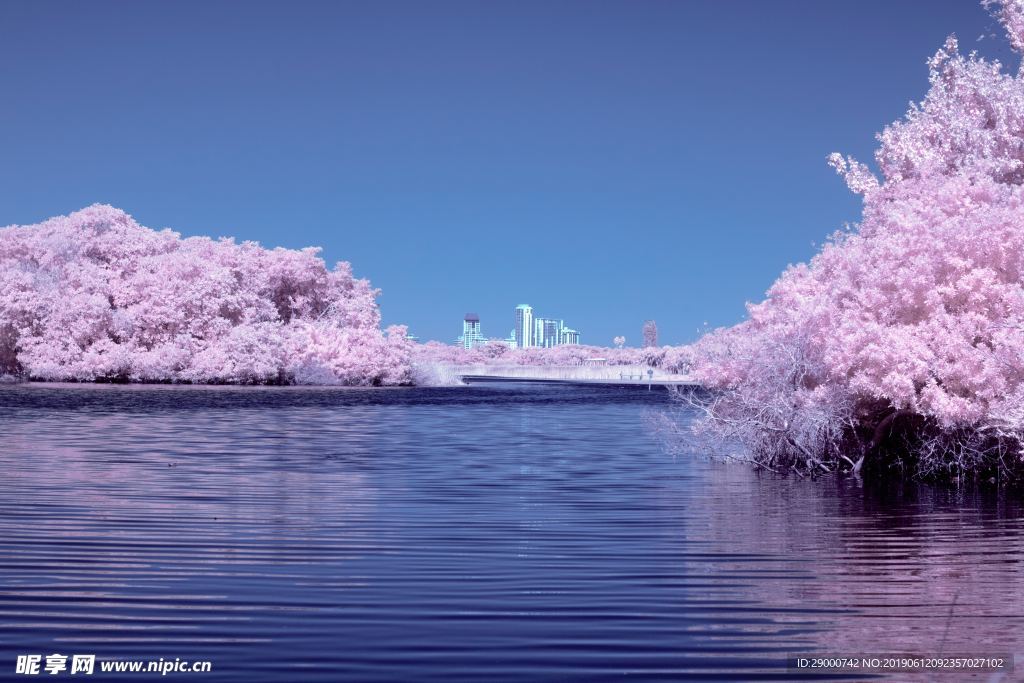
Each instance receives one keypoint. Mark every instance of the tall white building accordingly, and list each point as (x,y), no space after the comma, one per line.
(523,330)
(471,333)
(547,332)
(569,336)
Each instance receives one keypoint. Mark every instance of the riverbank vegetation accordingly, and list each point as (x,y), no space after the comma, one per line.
(671,359)
(901,344)
(94,296)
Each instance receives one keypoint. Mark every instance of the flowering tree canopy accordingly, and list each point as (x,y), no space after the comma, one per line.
(650,333)
(901,341)
(672,359)
(96,296)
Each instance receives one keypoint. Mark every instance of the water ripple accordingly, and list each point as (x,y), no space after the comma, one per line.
(475,533)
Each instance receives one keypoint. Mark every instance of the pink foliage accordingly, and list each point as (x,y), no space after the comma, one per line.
(1011,14)
(674,359)
(905,336)
(650,333)
(96,296)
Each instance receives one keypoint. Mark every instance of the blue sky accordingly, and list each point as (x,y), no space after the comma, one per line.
(606,162)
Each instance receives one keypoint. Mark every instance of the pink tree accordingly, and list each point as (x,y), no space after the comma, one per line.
(902,341)
(650,333)
(671,359)
(96,296)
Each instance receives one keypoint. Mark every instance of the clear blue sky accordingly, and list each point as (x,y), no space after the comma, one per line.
(605,162)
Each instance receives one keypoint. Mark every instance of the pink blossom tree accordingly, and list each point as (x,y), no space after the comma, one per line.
(902,342)
(96,296)
(670,359)
(650,333)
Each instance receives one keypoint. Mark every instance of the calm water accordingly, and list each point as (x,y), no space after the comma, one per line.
(477,533)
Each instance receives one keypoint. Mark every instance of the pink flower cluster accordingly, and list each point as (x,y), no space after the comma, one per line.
(96,296)
(906,335)
(674,359)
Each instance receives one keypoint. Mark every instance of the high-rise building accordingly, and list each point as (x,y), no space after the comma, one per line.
(524,331)
(569,336)
(543,332)
(471,333)
(547,332)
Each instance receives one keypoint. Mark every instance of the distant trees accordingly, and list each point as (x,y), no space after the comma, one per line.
(96,296)
(650,333)
(673,359)
(902,342)
(619,342)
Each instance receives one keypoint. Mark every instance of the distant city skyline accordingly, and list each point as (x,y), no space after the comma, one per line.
(528,331)
(542,332)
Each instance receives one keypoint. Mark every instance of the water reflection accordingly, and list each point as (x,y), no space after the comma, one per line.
(465,534)
(909,569)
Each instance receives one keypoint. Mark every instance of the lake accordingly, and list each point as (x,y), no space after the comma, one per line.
(493,532)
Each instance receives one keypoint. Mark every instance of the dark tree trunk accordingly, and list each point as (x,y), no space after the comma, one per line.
(882,430)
